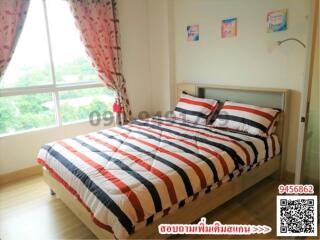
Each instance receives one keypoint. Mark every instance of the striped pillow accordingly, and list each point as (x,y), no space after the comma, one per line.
(274,125)
(246,118)
(194,109)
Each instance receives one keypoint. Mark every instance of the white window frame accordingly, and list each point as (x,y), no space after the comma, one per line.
(53,88)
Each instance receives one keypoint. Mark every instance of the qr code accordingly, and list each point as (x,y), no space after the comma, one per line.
(296,215)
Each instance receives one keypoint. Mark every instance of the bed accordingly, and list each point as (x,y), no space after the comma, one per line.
(123,182)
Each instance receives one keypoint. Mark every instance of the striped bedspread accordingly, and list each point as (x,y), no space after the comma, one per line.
(129,176)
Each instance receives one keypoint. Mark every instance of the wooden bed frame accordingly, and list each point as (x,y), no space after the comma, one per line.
(198,208)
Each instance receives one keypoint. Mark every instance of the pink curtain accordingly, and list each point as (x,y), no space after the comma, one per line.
(12,17)
(98,23)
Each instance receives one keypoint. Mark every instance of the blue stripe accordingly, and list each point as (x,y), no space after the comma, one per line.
(151,188)
(254,149)
(180,171)
(187,150)
(93,188)
(193,113)
(243,120)
(233,154)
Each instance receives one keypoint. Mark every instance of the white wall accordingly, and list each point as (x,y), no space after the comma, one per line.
(162,57)
(20,151)
(244,60)
(159,55)
(134,33)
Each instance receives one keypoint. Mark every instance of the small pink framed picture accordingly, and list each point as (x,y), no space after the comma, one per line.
(229,28)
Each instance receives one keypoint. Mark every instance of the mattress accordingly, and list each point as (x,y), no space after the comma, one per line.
(129,176)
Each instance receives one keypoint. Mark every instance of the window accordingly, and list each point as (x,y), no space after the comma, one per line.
(50,80)
(69,56)
(78,104)
(25,112)
(30,65)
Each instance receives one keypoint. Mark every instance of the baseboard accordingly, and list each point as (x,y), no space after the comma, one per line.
(20,174)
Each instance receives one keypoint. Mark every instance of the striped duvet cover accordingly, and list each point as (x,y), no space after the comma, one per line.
(129,176)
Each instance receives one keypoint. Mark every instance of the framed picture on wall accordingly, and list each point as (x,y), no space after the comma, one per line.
(229,28)
(277,20)
(193,32)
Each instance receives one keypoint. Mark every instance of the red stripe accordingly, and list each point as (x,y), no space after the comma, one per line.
(195,196)
(214,153)
(123,187)
(275,124)
(211,136)
(166,212)
(194,166)
(276,119)
(150,168)
(273,146)
(197,103)
(74,192)
(250,110)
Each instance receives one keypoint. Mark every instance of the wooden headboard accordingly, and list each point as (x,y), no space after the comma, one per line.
(264,97)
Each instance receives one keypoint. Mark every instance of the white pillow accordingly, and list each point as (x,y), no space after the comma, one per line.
(246,118)
(194,109)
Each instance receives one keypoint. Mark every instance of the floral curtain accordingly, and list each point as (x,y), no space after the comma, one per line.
(12,17)
(98,23)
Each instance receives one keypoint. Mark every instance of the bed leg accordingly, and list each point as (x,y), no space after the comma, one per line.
(52,193)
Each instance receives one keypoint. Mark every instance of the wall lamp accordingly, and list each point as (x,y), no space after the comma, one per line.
(291,39)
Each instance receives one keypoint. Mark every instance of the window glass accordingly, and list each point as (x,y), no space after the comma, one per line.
(77,105)
(30,65)
(18,113)
(71,62)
